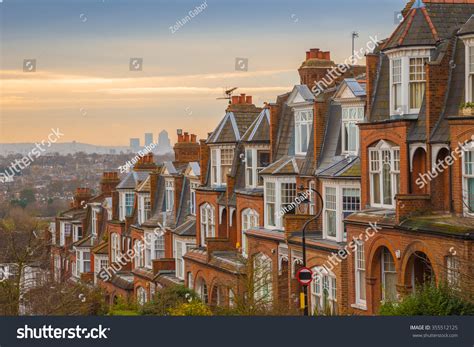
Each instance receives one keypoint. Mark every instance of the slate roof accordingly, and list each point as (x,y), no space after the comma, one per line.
(235,123)
(284,144)
(356,87)
(467,28)
(132,179)
(259,130)
(380,102)
(285,166)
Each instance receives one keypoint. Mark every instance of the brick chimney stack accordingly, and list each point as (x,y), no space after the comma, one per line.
(109,181)
(241,99)
(315,67)
(145,163)
(186,150)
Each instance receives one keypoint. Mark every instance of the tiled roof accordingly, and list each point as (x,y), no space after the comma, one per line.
(343,168)
(133,178)
(381,100)
(284,166)
(468,27)
(259,130)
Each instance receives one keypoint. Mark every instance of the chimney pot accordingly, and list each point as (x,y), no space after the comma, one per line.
(235,99)
(248,99)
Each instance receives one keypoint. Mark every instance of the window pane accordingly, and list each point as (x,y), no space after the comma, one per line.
(288,194)
(331,223)
(350,199)
(376,186)
(471,55)
(470,192)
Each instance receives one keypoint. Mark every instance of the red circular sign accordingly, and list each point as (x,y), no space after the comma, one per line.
(304,276)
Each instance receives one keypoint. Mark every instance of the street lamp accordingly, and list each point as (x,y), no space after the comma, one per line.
(316,216)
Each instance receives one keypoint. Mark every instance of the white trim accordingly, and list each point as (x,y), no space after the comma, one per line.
(413,147)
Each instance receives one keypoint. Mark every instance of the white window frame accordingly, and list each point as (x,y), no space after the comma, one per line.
(94,222)
(262,277)
(386,270)
(351,116)
(217,165)
(181,247)
(250,219)
(141,296)
(169,194)
(115,247)
(192,199)
(154,247)
(403,56)
(360,274)
(323,281)
(207,222)
(139,256)
(469,59)
(75,233)
(303,118)
(81,261)
(124,203)
(339,188)
(100,262)
(467,175)
(452,271)
(376,167)
(278,214)
(252,168)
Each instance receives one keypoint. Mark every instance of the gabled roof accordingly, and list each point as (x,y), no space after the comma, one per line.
(193,169)
(284,166)
(259,130)
(144,187)
(301,94)
(132,179)
(235,123)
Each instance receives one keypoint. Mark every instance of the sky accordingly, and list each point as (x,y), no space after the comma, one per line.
(82,82)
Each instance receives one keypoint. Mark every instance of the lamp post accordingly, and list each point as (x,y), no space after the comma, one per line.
(315,217)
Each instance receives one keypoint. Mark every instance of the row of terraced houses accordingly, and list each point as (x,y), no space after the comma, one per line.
(223,213)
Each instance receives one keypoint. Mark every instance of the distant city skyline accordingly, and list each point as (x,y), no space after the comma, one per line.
(97,69)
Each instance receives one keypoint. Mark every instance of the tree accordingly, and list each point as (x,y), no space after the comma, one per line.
(168,299)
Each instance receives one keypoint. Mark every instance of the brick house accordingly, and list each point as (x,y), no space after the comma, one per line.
(416,84)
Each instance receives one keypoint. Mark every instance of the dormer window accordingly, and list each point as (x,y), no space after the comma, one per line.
(94,223)
(221,165)
(144,208)
(255,161)
(407,80)
(468,181)
(169,196)
(303,126)
(350,130)
(192,199)
(279,196)
(384,165)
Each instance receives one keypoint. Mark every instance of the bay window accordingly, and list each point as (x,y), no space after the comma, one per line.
(192,199)
(470,73)
(83,262)
(180,249)
(303,127)
(94,223)
(208,225)
(279,196)
(250,219)
(139,256)
(340,200)
(417,81)
(384,174)
(468,180)
(154,247)
(221,165)
(169,195)
(255,161)
(350,131)
(397,85)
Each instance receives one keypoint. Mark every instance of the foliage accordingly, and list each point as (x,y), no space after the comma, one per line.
(467,105)
(430,300)
(193,308)
(167,299)
(124,308)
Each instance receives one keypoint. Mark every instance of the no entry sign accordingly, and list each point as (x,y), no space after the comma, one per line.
(304,276)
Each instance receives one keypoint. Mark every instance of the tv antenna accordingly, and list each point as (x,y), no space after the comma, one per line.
(228,93)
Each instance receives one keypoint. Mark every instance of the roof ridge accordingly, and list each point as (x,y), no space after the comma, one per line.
(412,14)
(430,23)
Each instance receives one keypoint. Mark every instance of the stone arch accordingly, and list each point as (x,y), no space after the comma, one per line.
(415,251)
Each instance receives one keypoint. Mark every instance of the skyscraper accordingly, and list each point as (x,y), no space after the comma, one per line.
(148,139)
(135,144)
(164,143)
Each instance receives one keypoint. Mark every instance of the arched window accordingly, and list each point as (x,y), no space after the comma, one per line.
(141,296)
(208,225)
(323,292)
(250,219)
(384,165)
(262,273)
(115,247)
(201,290)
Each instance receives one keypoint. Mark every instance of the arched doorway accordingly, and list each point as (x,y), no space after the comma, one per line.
(201,290)
(419,168)
(419,270)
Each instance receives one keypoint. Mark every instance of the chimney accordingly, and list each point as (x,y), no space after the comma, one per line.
(145,163)
(372,61)
(235,99)
(81,196)
(315,67)
(109,181)
(248,100)
(186,150)
(242,99)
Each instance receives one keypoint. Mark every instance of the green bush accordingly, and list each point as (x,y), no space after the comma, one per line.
(429,300)
(167,299)
(193,308)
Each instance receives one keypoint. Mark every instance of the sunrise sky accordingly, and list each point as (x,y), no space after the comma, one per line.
(83,85)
